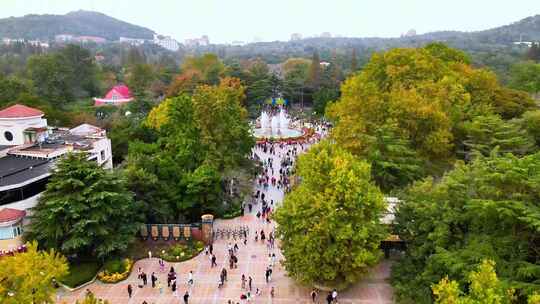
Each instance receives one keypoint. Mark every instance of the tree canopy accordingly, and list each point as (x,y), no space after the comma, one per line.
(85,210)
(488,208)
(27,277)
(428,94)
(200,137)
(329,224)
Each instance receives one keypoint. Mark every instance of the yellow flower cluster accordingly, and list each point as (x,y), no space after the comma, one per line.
(106,277)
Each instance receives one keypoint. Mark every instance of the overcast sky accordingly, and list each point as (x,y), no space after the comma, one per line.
(228,20)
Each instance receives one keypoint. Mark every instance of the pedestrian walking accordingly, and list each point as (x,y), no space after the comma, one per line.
(186,297)
(190,278)
(243,281)
(329,298)
(154,279)
(173,288)
(250,282)
(313,295)
(213,261)
(334,295)
(129,290)
(144,279)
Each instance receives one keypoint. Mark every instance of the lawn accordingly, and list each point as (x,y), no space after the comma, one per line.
(80,273)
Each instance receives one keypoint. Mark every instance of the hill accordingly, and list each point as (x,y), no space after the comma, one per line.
(79,23)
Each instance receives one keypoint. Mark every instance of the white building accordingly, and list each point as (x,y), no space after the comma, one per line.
(28,150)
(203,41)
(167,42)
(132,41)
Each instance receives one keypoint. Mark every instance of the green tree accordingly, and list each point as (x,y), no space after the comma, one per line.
(82,69)
(484,287)
(430,93)
(531,123)
(200,138)
(526,76)
(140,78)
(85,210)
(322,97)
(486,209)
(51,78)
(206,69)
(11,89)
(394,164)
(329,224)
(294,82)
(222,122)
(485,133)
(354,61)
(534,53)
(28,277)
(314,74)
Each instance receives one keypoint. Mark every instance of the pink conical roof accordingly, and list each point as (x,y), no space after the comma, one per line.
(122,91)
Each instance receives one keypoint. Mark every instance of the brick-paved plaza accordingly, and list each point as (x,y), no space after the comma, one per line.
(252,261)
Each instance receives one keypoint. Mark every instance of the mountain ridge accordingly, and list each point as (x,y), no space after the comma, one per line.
(80,23)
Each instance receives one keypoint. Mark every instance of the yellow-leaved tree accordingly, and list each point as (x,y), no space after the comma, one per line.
(28,277)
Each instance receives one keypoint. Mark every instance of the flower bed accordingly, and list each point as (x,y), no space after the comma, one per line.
(115,271)
(181,252)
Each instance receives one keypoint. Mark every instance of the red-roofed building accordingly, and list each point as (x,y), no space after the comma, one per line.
(20,111)
(118,95)
(11,229)
(21,125)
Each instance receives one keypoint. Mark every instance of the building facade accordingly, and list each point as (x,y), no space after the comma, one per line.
(29,149)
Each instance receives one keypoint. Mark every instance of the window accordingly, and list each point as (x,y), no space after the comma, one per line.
(6,233)
(8,136)
(17,231)
(102,154)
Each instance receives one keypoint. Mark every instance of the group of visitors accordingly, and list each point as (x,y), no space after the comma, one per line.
(172,284)
(277,166)
(331,297)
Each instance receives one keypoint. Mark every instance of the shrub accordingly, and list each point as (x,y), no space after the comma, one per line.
(115,270)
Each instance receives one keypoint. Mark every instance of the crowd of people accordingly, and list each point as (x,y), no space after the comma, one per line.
(277,160)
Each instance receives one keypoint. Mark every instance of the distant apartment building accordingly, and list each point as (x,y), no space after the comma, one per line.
(203,41)
(9,41)
(66,38)
(326,35)
(132,41)
(525,43)
(409,33)
(29,149)
(63,38)
(238,43)
(167,42)
(296,36)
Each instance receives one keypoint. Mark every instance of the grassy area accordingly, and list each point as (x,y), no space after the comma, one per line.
(80,273)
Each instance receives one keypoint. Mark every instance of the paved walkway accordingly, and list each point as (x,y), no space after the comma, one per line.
(253,260)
